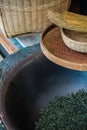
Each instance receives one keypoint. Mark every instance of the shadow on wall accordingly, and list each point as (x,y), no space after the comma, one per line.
(79,6)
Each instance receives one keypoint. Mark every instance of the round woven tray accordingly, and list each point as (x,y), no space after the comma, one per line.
(55,50)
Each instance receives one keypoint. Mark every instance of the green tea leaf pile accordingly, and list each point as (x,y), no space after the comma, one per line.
(65,113)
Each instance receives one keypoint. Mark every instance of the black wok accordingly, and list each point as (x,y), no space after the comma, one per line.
(29,84)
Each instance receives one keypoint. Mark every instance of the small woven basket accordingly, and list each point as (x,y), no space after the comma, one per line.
(76,41)
(23,16)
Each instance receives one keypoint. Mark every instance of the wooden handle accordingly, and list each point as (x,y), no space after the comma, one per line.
(4,41)
(7,44)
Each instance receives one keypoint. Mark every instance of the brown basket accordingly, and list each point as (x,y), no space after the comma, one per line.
(23,16)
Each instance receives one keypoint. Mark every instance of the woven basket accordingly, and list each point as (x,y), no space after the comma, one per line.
(76,41)
(23,16)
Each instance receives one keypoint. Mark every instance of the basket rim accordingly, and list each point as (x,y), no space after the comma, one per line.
(72,40)
(34,8)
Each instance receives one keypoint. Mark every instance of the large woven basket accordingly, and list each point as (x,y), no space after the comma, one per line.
(23,16)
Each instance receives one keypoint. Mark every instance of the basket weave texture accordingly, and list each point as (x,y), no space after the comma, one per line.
(76,41)
(23,16)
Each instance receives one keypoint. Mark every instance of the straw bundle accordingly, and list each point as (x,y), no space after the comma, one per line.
(22,16)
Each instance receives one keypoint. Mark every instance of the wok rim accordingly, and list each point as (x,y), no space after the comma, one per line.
(5,85)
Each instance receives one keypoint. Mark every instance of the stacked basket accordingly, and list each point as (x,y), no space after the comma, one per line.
(22,16)
(73,28)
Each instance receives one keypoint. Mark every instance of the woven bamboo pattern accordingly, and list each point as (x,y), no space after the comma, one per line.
(23,16)
(75,40)
(69,20)
(55,50)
